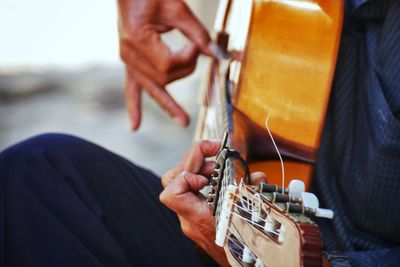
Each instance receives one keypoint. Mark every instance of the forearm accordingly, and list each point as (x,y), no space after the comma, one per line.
(215,252)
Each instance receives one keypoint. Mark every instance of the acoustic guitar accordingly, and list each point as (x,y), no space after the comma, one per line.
(280,65)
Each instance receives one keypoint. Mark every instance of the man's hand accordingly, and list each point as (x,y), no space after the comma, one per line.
(150,64)
(181,194)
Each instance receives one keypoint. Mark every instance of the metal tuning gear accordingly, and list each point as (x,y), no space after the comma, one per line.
(295,198)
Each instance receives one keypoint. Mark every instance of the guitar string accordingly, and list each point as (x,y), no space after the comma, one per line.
(238,255)
(250,210)
(239,237)
(239,242)
(277,232)
(266,220)
(256,196)
(279,154)
(242,243)
(221,98)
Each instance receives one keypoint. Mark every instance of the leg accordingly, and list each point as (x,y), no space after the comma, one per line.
(67,202)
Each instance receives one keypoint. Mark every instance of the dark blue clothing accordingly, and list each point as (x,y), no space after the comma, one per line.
(358,168)
(67,202)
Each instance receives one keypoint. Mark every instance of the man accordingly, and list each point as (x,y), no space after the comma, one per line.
(66,202)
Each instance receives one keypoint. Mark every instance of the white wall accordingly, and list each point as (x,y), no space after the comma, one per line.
(43,32)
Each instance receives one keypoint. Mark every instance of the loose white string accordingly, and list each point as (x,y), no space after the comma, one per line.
(279,154)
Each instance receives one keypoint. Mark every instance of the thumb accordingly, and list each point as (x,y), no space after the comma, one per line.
(181,193)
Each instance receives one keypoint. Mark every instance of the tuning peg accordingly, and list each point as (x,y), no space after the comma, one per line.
(247,256)
(269,225)
(282,233)
(256,216)
(295,188)
(214,181)
(310,200)
(259,263)
(214,174)
(225,216)
(217,167)
(324,213)
(212,191)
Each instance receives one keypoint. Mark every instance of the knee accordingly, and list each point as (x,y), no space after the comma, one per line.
(38,146)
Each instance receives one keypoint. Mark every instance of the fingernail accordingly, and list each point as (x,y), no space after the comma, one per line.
(133,128)
(180,121)
(217,51)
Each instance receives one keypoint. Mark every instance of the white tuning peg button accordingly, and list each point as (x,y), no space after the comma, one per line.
(310,200)
(248,256)
(324,213)
(225,216)
(296,187)
(259,263)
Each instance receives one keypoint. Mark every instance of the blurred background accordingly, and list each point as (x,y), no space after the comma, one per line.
(60,72)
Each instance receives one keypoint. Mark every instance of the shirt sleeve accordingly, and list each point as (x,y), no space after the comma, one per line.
(384,257)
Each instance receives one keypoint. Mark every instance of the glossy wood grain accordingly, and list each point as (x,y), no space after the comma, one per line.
(285,55)
(288,68)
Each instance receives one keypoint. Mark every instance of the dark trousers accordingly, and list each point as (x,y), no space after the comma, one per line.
(67,202)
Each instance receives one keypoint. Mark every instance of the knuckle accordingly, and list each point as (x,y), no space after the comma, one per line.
(139,36)
(184,174)
(164,180)
(168,177)
(204,143)
(165,65)
(179,5)
(197,144)
(163,198)
(164,79)
(186,231)
(123,52)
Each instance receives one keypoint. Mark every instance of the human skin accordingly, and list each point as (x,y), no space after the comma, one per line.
(150,64)
(181,194)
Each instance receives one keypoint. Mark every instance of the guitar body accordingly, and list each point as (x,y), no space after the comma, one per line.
(284,60)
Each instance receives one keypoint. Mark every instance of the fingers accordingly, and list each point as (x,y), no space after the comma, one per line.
(133,100)
(194,158)
(183,190)
(179,65)
(154,80)
(183,62)
(163,98)
(257,178)
(181,17)
(151,62)
(207,169)
(194,161)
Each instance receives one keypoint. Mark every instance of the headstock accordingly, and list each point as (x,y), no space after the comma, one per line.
(266,225)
